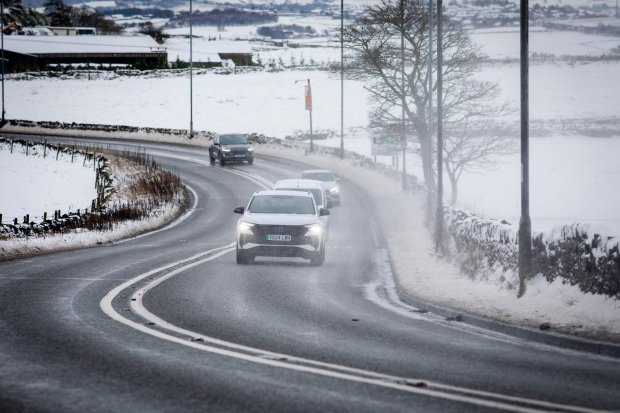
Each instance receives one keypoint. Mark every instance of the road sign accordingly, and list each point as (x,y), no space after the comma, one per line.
(308,97)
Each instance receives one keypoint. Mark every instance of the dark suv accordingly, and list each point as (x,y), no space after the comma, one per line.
(231,147)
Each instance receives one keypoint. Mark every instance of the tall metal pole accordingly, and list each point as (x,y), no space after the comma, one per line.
(3,121)
(525,224)
(311,135)
(439,206)
(341,79)
(191,73)
(403,138)
(430,110)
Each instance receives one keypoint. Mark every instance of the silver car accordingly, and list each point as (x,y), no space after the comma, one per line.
(281,224)
(330,182)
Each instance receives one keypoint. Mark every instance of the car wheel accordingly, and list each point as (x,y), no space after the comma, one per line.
(250,161)
(319,258)
(211,158)
(244,257)
(222,161)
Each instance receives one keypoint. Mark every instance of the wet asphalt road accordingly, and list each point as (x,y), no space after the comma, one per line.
(279,335)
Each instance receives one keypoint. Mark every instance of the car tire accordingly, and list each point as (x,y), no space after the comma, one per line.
(244,257)
(319,258)
(250,161)
(222,161)
(211,158)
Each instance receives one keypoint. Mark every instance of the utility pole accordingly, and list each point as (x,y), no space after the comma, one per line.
(191,73)
(3,121)
(525,224)
(341,79)
(430,110)
(439,206)
(403,137)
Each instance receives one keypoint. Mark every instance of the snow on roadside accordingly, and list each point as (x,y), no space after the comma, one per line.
(26,247)
(421,274)
(123,174)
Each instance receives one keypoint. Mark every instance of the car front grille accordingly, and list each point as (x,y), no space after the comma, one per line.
(296,232)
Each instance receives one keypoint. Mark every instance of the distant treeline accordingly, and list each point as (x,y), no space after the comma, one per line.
(224,17)
(281,31)
(136,11)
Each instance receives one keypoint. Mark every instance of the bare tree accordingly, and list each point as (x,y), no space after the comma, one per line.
(373,43)
(475,144)
(475,135)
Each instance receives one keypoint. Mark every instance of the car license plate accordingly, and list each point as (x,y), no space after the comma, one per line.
(278,237)
(239,156)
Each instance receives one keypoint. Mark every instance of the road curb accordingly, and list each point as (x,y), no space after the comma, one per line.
(552,338)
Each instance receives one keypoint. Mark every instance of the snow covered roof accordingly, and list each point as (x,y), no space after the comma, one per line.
(204,50)
(36,45)
(179,47)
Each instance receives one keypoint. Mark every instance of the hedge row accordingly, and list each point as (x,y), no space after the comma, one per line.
(579,256)
(573,253)
(105,220)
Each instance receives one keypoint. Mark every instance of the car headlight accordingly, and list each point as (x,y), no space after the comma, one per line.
(314,229)
(334,190)
(245,227)
(250,149)
(225,149)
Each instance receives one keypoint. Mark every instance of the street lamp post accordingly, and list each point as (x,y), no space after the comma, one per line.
(430,110)
(439,206)
(3,121)
(403,137)
(341,79)
(525,224)
(191,72)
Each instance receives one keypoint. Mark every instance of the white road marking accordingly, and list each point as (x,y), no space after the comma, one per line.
(259,356)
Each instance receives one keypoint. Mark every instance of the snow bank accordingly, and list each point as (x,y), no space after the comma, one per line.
(118,211)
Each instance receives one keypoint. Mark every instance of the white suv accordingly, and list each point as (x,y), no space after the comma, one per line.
(316,188)
(281,224)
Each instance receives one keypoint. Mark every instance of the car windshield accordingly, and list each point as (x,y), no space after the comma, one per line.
(281,204)
(316,193)
(233,140)
(318,176)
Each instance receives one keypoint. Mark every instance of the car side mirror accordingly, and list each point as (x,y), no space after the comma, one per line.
(239,210)
(323,212)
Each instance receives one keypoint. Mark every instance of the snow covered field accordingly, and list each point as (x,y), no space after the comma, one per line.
(572,176)
(33,184)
